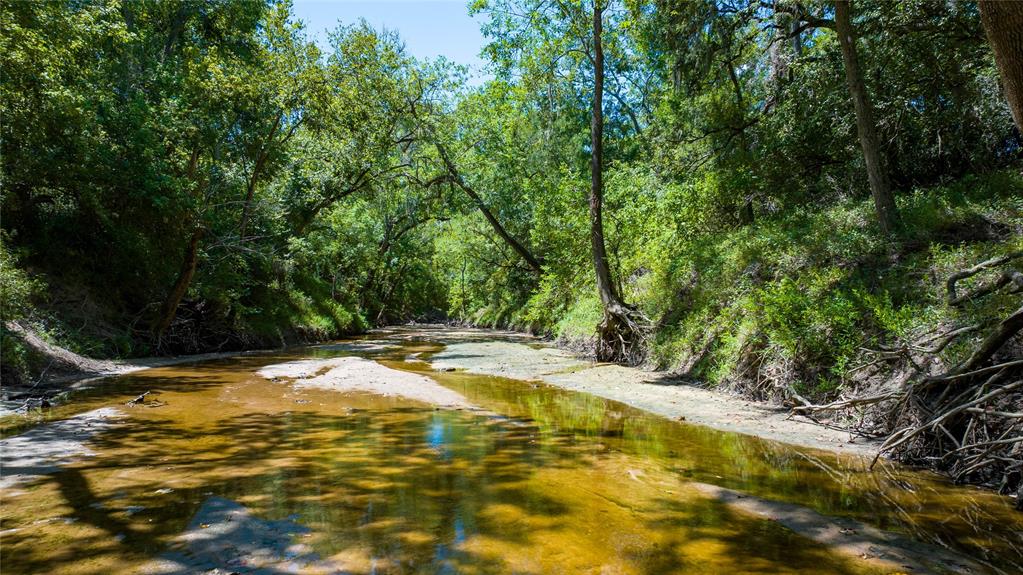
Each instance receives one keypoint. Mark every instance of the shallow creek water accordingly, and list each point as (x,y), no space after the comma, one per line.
(538,480)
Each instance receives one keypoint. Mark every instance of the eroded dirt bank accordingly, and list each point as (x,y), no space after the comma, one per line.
(68,371)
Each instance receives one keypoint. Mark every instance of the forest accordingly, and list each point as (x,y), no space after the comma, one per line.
(812,203)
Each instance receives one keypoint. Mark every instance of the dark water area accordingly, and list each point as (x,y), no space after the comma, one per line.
(536,480)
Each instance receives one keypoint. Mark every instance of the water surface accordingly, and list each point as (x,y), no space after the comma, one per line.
(541,480)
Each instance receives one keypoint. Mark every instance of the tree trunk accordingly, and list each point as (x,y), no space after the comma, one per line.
(797,41)
(746,210)
(617,333)
(170,306)
(605,287)
(880,185)
(177,28)
(250,191)
(779,61)
(1003,23)
(456,177)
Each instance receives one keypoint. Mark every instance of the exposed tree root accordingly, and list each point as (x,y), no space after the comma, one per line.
(1006,329)
(965,421)
(950,286)
(621,336)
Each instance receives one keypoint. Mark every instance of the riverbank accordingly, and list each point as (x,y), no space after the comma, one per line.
(514,355)
(68,371)
(413,395)
(530,359)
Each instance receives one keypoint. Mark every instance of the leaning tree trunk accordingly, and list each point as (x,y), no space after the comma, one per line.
(605,286)
(1003,23)
(188,265)
(877,174)
(617,337)
(532,261)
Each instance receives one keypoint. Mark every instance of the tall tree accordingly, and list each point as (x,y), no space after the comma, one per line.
(279,88)
(608,294)
(561,55)
(1003,23)
(617,331)
(224,123)
(877,171)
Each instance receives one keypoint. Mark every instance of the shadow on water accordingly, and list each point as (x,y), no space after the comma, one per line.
(395,491)
(926,506)
(565,483)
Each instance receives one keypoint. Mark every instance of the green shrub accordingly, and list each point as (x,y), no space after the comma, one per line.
(16,287)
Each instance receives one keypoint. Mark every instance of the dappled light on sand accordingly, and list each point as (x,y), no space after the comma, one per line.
(241,473)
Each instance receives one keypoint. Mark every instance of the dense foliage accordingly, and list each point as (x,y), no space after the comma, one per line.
(183,176)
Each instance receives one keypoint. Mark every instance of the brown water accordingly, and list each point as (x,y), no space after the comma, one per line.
(560,482)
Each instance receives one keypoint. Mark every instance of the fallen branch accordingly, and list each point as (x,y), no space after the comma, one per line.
(138,400)
(851,402)
(944,339)
(990,443)
(1007,277)
(982,371)
(995,413)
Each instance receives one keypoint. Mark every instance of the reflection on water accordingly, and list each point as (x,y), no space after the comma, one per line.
(562,483)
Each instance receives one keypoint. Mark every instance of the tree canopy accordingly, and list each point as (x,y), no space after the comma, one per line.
(766,173)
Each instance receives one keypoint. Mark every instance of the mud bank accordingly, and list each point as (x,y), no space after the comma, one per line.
(654,392)
(70,371)
(346,374)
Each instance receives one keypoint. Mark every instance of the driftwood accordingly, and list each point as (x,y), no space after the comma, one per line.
(138,400)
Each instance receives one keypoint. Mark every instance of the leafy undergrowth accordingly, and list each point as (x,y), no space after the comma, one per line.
(816,306)
(66,313)
(798,303)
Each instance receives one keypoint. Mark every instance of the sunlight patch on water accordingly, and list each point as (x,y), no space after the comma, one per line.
(367,483)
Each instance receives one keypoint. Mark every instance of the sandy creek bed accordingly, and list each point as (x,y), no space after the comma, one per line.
(461,451)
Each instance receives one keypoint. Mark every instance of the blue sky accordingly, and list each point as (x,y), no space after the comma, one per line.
(429,28)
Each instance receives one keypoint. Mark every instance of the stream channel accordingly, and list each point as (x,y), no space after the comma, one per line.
(360,457)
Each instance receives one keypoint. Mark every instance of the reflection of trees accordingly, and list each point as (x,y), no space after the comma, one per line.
(418,489)
(832,484)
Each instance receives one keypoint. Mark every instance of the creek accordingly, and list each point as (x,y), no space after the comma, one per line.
(223,470)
